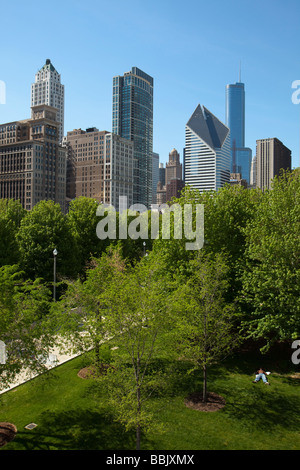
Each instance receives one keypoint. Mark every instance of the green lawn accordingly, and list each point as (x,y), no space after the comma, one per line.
(71,416)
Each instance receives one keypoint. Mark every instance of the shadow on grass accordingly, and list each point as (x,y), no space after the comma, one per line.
(264,409)
(75,430)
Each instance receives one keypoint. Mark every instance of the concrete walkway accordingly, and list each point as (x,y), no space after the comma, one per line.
(54,359)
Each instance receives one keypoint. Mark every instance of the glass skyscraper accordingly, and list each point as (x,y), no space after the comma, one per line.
(241,156)
(132,118)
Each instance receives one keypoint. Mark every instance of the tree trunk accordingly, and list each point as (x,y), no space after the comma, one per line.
(138,437)
(204,394)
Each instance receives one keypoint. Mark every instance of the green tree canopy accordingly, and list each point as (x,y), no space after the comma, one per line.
(204,323)
(271,279)
(41,231)
(23,304)
(11,215)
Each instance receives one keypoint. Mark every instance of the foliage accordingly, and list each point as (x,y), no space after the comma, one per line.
(82,220)
(79,315)
(42,230)
(11,214)
(204,327)
(22,305)
(271,278)
(138,318)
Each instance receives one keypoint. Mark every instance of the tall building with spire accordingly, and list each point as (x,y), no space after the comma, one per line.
(47,89)
(241,156)
(132,118)
(207,151)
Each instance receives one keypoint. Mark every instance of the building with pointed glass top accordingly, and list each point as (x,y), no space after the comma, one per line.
(207,151)
(48,90)
(132,119)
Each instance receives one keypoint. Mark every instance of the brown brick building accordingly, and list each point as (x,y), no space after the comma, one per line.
(32,163)
(100,166)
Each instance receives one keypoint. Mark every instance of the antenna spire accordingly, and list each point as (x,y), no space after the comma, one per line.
(240,73)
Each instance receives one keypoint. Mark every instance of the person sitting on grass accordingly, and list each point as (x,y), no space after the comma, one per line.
(261,375)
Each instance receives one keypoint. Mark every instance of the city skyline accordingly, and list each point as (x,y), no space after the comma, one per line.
(190,62)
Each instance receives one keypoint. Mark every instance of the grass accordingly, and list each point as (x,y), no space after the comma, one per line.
(72,415)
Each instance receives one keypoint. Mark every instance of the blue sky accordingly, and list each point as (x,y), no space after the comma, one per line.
(192,50)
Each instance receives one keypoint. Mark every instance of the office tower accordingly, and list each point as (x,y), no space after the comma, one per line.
(253,172)
(174,188)
(100,166)
(48,89)
(207,151)
(171,183)
(237,180)
(162,174)
(173,167)
(32,163)
(235,120)
(132,118)
(271,157)
(155,175)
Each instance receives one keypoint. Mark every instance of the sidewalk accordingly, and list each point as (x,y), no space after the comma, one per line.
(54,359)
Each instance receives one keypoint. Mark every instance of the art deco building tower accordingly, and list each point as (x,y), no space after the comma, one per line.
(48,90)
(207,151)
(132,118)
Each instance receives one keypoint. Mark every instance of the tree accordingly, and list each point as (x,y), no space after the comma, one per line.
(23,305)
(11,214)
(204,328)
(226,214)
(137,322)
(41,231)
(271,276)
(80,317)
(83,220)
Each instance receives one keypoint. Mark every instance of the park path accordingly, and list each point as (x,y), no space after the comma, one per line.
(55,358)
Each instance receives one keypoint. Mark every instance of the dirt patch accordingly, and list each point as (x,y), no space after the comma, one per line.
(7,433)
(92,372)
(214,402)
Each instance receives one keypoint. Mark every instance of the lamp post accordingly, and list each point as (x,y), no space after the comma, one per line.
(54,273)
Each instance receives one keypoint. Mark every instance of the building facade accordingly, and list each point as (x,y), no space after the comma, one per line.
(48,90)
(207,151)
(155,175)
(132,119)
(32,163)
(253,172)
(100,166)
(271,157)
(241,156)
(173,167)
(170,183)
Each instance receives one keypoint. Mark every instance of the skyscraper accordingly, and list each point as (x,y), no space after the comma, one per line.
(48,90)
(170,183)
(99,166)
(32,163)
(207,151)
(271,157)
(132,118)
(155,175)
(241,156)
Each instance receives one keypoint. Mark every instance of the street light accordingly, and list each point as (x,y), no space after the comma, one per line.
(54,273)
